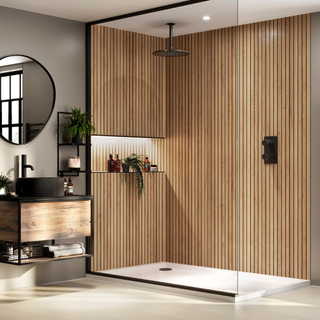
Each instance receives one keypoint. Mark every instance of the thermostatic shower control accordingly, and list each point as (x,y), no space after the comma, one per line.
(270,150)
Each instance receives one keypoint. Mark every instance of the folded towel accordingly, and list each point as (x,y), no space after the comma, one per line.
(15,257)
(63,253)
(63,246)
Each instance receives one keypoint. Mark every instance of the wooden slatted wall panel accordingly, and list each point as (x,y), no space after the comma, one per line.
(275,101)
(128,231)
(128,83)
(201,151)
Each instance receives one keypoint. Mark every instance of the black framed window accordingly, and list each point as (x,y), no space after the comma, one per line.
(11,106)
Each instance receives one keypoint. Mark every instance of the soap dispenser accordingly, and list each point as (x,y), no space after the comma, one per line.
(70,188)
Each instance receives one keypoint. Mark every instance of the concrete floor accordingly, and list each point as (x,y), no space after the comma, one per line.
(89,299)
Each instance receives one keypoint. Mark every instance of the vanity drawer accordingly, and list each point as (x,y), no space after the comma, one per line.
(55,220)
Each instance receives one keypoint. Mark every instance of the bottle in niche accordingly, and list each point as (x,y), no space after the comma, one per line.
(147,165)
(70,188)
(110,164)
(117,164)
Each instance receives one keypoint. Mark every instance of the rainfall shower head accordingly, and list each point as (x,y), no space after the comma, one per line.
(171,52)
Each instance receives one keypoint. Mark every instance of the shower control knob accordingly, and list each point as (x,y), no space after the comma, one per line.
(267,156)
(267,142)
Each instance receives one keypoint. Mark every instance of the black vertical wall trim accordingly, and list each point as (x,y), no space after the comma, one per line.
(88,106)
(88,147)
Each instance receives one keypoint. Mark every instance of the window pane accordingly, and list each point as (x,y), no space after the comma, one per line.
(21,134)
(15,134)
(15,86)
(21,93)
(5,88)
(5,112)
(5,132)
(15,112)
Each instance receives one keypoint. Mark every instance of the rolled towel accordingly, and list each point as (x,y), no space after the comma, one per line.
(64,253)
(63,246)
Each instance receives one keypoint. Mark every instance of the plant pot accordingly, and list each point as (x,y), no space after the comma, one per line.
(125,167)
(3,192)
(65,138)
(77,139)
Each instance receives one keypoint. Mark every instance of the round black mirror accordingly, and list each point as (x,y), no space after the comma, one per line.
(27,97)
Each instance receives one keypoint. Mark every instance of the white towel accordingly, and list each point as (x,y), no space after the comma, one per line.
(64,253)
(64,246)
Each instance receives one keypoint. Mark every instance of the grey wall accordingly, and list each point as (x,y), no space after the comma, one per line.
(315,149)
(37,94)
(59,45)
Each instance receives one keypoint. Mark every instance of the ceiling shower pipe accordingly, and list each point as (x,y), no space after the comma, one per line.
(171,52)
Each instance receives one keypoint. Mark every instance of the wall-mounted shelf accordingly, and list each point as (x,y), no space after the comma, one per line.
(77,146)
(72,144)
(69,172)
(46,259)
(127,172)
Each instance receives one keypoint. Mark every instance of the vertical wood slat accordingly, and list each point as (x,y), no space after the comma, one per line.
(127,235)
(128,83)
(199,93)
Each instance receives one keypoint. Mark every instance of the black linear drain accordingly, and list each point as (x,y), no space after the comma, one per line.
(165,269)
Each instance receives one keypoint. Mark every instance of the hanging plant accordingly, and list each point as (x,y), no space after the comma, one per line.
(137,165)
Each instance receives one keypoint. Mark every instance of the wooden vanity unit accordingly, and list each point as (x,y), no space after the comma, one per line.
(28,219)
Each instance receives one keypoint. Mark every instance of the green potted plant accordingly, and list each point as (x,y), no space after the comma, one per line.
(133,161)
(4,184)
(77,125)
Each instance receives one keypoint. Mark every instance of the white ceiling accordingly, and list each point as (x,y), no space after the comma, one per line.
(85,10)
(224,13)
(13,60)
(188,19)
(261,10)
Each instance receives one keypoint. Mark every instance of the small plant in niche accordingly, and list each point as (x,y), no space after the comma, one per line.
(133,161)
(77,125)
(5,184)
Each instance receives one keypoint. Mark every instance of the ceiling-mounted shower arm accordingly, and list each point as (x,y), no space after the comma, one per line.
(171,52)
(171,24)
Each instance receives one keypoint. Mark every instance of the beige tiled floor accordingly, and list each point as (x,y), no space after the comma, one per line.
(90,299)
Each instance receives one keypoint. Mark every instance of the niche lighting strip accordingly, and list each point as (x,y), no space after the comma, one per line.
(93,137)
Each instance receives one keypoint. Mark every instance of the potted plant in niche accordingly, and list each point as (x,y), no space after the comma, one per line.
(133,161)
(77,125)
(4,184)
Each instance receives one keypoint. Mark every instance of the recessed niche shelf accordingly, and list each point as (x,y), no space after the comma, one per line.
(127,172)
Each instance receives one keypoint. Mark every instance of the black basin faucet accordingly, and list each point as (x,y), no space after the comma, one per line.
(24,165)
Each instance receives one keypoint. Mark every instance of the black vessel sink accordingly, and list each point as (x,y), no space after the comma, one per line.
(40,187)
